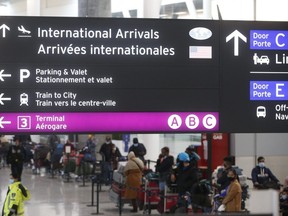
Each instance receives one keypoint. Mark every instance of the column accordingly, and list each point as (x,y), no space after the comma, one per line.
(93,8)
(151,9)
(207,12)
(33,8)
(152,145)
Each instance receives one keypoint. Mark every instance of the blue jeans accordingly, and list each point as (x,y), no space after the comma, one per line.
(162,185)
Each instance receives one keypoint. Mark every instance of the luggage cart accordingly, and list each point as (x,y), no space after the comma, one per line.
(149,197)
(117,190)
(168,200)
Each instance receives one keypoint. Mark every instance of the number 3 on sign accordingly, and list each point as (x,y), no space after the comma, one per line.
(23,122)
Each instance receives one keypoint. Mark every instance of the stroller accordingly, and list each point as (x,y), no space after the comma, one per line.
(197,200)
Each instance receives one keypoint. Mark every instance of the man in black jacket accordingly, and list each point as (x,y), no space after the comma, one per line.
(15,156)
(164,167)
(223,180)
(138,149)
(185,176)
(106,152)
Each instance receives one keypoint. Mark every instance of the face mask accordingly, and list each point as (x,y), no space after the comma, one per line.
(11,181)
(135,144)
(261,164)
(231,178)
(284,196)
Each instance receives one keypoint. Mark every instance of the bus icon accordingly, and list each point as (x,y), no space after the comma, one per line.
(261,112)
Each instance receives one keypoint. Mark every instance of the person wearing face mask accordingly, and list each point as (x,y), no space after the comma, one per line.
(185,176)
(16,195)
(222,179)
(164,167)
(106,152)
(261,175)
(138,149)
(232,200)
(284,202)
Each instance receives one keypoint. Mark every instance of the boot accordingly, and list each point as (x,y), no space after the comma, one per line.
(134,204)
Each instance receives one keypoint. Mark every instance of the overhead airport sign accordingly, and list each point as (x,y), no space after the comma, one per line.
(140,75)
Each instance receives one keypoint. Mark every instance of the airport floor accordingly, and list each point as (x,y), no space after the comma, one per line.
(56,196)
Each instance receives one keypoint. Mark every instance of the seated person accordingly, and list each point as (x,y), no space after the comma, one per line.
(261,175)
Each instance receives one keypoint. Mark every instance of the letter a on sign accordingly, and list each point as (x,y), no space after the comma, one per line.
(174,121)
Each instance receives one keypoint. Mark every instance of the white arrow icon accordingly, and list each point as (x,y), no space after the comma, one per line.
(4,27)
(3,122)
(3,99)
(3,75)
(236,35)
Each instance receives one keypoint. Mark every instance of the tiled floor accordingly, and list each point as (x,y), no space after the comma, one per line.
(54,196)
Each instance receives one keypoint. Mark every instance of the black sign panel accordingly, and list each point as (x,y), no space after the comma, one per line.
(142,75)
(254,81)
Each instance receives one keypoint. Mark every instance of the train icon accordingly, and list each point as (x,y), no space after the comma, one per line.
(24,99)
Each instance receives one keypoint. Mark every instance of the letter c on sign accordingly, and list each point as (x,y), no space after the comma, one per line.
(277,42)
(209,121)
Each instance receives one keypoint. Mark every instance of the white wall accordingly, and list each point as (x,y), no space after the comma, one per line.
(59,8)
(272,10)
(267,10)
(233,9)
(274,147)
(47,8)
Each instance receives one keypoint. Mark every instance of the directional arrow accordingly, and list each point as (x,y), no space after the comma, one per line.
(3,122)
(4,27)
(3,99)
(236,35)
(3,75)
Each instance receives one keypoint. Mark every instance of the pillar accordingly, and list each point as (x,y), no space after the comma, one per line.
(93,8)
(151,9)
(207,12)
(152,145)
(33,7)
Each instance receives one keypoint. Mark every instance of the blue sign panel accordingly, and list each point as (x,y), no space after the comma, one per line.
(268,40)
(269,90)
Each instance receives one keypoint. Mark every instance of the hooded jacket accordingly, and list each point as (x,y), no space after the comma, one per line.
(14,202)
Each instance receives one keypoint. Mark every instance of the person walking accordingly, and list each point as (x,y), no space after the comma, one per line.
(16,195)
(16,156)
(133,172)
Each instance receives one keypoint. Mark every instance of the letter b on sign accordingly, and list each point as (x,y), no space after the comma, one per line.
(192,121)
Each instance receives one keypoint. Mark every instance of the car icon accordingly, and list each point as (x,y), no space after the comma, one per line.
(264,60)
(261,112)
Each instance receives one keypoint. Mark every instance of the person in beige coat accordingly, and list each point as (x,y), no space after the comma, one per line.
(133,173)
(232,200)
